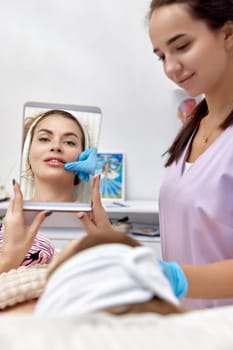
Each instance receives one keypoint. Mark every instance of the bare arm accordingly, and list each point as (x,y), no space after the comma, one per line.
(212,281)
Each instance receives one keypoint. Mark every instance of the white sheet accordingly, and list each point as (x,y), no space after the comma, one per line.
(199,330)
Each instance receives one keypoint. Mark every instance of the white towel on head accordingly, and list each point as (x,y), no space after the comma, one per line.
(27,181)
(82,192)
(105,276)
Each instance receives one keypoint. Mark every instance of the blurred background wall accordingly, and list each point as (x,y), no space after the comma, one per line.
(94,53)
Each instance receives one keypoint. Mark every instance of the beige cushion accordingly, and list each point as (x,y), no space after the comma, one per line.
(22,284)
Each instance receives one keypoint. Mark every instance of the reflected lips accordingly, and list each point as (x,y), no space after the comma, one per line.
(56,162)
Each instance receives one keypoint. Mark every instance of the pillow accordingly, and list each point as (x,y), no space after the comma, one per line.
(22,284)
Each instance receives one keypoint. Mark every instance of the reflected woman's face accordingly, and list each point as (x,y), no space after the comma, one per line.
(56,140)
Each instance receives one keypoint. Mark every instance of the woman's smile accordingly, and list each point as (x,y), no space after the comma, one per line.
(55,162)
(185,80)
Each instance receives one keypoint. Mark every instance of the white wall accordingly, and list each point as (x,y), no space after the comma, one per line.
(88,52)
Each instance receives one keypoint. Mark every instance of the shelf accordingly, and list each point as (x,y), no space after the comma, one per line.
(145,212)
(140,207)
(133,207)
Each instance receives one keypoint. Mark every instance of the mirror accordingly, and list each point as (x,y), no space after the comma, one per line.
(51,138)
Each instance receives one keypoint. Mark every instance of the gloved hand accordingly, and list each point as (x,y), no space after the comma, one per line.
(176,277)
(85,164)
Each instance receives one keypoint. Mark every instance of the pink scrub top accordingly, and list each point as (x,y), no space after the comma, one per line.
(41,252)
(196,210)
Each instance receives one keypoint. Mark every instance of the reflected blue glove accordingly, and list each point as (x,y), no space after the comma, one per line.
(176,277)
(85,164)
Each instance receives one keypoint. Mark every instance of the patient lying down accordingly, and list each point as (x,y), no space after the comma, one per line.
(111,273)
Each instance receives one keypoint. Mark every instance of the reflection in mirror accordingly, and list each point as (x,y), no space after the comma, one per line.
(56,134)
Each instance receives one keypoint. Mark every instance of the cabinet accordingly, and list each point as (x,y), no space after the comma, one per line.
(145,212)
(137,211)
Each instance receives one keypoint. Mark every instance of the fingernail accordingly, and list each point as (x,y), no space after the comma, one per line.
(80,215)
(13,182)
(48,213)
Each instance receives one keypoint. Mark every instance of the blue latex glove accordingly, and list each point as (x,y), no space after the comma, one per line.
(85,164)
(176,277)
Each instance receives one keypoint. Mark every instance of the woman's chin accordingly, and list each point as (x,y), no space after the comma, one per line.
(58,179)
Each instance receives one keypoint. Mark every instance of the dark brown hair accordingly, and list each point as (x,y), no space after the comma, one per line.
(215,13)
